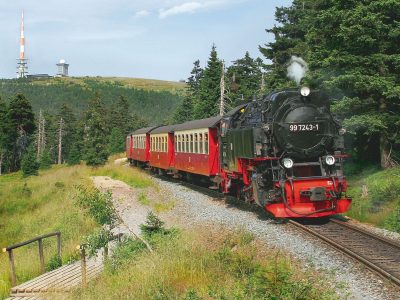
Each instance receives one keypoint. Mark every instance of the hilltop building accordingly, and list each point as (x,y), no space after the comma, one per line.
(62,67)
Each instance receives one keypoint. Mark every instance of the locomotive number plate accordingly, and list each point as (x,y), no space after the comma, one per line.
(304,127)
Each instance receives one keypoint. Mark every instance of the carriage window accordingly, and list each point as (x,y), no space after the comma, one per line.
(191,143)
(196,143)
(176,144)
(186,143)
(143,142)
(182,142)
(165,144)
(179,143)
(201,143)
(206,143)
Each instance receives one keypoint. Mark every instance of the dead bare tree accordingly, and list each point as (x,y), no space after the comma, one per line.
(60,135)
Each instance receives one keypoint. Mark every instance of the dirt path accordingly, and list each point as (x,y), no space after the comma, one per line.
(125,201)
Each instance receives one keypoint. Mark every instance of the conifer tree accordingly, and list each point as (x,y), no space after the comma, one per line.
(45,160)
(21,125)
(185,111)
(74,157)
(117,141)
(208,103)
(29,164)
(244,77)
(290,39)
(355,50)
(95,133)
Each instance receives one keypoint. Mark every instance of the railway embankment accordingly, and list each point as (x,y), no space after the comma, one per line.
(376,199)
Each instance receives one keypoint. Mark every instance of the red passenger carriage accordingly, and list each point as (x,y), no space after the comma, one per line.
(138,145)
(196,147)
(162,147)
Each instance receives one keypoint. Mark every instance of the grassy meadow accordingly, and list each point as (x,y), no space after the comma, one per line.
(37,205)
(380,205)
(206,263)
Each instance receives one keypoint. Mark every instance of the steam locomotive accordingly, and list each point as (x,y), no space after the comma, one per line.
(284,152)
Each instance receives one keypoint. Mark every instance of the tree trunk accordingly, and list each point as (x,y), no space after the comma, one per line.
(383,141)
(384,150)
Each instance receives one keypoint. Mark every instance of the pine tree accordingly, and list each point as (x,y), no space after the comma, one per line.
(244,77)
(117,141)
(74,157)
(119,115)
(355,50)
(136,122)
(96,133)
(185,111)
(290,39)
(29,164)
(45,160)
(21,125)
(208,103)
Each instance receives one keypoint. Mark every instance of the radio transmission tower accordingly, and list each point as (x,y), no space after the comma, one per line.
(22,67)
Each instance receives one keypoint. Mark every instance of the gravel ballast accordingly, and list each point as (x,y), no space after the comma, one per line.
(194,208)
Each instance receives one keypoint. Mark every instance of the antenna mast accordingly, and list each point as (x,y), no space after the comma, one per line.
(22,68)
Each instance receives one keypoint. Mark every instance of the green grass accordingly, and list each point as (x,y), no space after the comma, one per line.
(382,205)
(131,176)
(204,264)
(37,205)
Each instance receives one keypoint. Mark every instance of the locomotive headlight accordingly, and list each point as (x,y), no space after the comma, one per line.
(287,163)
(305,91)
(330,160)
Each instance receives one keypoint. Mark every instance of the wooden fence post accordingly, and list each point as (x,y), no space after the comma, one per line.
(12,268)
(59,245)
(83,265)
(41,256)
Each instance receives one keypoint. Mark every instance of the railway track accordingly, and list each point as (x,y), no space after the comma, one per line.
(377,253)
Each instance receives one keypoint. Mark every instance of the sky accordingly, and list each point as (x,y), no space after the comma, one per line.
(158,39)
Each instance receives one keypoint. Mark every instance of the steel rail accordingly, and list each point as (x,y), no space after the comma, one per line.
(351,253)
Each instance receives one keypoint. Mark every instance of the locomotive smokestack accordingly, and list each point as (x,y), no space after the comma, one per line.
(297,69)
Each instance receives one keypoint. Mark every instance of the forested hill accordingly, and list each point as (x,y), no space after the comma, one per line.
(153,100)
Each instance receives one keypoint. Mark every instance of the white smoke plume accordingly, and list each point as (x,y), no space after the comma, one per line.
(297,69)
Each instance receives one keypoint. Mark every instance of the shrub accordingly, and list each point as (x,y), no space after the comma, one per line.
(54,262)
(153,225)
(29,164)
(98,205)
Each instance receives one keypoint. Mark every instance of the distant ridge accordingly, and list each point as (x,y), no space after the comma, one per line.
(155,100)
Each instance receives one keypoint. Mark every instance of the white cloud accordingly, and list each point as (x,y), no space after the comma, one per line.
(142,13)
(188,8)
